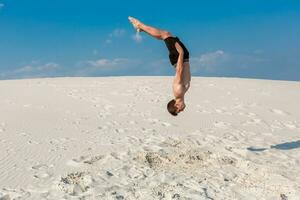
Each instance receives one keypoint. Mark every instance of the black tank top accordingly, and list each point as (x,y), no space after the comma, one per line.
(173,53)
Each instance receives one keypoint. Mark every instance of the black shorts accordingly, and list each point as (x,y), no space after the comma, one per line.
(173,53)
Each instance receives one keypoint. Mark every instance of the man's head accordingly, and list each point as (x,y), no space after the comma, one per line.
(174,107)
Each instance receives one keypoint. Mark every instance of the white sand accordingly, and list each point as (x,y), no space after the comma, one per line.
(112,138)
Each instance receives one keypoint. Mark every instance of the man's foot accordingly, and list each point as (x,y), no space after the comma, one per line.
(136,23)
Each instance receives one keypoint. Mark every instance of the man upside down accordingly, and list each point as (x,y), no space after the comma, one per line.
(179,58)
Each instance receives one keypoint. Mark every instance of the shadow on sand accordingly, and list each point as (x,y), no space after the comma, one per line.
(282,146)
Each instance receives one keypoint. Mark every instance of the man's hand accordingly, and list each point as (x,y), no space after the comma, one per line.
(179,67)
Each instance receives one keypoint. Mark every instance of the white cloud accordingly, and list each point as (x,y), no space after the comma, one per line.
(108,41)
(224,63)
(95,52)
(99,63)
(159,67)
(104,63)
(48,67)
(24,69)
(33,70)
(104,66)
(118,32)
(137,37)
(209,61)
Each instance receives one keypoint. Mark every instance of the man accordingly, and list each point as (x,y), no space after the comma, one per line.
(179,58)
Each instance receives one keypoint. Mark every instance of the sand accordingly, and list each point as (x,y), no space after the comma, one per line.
(112,138)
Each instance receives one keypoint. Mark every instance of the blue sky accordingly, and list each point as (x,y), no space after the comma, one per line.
(253,39)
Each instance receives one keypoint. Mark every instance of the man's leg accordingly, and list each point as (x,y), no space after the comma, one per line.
(154,32)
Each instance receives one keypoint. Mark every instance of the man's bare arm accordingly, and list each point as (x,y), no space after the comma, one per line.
(179,67)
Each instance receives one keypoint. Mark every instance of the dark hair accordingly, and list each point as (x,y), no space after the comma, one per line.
(171,107)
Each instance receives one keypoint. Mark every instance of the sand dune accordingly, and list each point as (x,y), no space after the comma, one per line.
(112,138)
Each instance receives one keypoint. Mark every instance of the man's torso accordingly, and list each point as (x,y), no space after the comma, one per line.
(180,88)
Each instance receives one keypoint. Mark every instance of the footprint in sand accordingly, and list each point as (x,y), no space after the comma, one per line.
(220,110)
(181,155)
(133,139)
(157,121)
(108,107)
(239,106)
(27,105)
(166,124)
(223,111)
(59,144)
(147,130)
(276,125)
(253,121)
(30,141)
(2,127)
(103,127)
(103,115)
(120,130)
(132,122)
(203,111)
(24,134)
(291,125)
(288,124)
(42,171)
(227,160)
(12,194)
(90,160)
(154,100)
(153,121)
(248,114)
(279,112)
(176,160)
(76,183)
(220,124)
